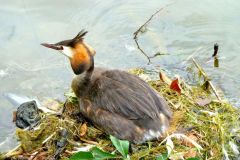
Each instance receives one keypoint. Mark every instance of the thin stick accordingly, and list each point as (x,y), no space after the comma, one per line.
(136,33)
(206,78)
(48,138)
(13,151)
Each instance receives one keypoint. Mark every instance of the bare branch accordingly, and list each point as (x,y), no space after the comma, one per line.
(136,33)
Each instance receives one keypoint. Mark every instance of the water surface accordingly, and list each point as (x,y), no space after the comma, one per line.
(28,69)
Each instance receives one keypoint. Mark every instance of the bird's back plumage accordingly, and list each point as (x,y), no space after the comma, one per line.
(129,99)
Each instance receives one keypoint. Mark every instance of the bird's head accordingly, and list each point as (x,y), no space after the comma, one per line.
(79,53)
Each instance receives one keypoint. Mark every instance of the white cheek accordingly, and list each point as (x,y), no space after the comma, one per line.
(67,51)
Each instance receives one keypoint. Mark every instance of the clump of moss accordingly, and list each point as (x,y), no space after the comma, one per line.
(32,139)
(45,136)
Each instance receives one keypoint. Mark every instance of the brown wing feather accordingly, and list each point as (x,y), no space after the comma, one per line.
(127,95)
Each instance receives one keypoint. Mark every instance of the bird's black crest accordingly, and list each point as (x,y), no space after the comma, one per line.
(72,42)
(80,35)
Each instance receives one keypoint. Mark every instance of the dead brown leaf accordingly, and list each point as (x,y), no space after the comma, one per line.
(83,129)
(14,116)
(190,153)
(163,77)
(193,137)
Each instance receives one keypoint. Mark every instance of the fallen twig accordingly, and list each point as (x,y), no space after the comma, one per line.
(88,141)
(207,79)
(136,33)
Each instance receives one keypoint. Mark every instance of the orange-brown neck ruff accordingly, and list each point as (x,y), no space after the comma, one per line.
(81,60)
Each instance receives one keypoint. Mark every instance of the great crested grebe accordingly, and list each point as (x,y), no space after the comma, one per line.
(120,103)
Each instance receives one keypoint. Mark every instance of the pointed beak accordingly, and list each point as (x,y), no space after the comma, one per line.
(52,46)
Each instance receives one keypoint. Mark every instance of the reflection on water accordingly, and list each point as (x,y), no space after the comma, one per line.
(28,69)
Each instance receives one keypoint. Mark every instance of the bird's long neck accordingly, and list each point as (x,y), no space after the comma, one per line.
(81,83)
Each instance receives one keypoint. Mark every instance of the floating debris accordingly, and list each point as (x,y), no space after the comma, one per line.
(27,115)
(215,50)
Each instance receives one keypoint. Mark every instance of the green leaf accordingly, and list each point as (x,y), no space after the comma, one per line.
(193,158)
(82,156)
(100,154)
(121,146)
(163,156)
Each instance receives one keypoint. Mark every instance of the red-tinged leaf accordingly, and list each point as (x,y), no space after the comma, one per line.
(175,86)
(203,102)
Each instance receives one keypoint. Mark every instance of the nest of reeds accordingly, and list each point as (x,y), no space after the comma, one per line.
(203,127)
